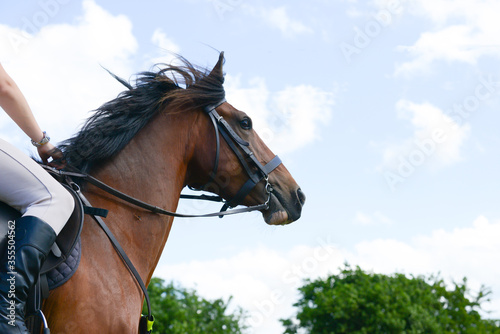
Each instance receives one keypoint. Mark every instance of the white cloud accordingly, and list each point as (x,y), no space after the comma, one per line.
(454,43)
(280,19)
(167,49)
(463,31)
(287,120)
(161,40)
(441,11)
(436,141)
(58,68)
(264,281)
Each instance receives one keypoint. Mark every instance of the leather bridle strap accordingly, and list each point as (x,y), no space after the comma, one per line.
(232,142)
(155,209)
(217,147)
(250,184)
(241,149)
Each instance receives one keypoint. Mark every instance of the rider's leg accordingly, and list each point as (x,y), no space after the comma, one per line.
(46,207)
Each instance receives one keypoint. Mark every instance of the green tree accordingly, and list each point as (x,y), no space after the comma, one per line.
(179,311)
(358,302)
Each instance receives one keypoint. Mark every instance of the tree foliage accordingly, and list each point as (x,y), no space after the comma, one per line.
(179,311)
(358,302)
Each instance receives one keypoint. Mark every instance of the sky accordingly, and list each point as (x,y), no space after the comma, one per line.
(385,113)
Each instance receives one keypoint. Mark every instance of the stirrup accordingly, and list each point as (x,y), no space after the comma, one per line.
(46,329)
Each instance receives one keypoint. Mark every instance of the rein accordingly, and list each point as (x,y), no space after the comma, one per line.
(155,209)
(237,145)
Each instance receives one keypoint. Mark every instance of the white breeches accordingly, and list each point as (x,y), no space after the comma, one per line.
(25,186)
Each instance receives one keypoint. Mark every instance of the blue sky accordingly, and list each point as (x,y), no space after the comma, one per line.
(385,112)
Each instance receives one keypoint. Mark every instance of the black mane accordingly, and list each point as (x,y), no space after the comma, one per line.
(116,122)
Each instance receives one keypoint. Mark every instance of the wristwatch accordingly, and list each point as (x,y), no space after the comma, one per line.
(44,140)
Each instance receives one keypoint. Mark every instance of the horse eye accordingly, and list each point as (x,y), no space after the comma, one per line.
(246,123)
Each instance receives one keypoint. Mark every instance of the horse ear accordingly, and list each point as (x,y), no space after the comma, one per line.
(217,70)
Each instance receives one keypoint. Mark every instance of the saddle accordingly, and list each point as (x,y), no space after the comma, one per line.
(61,262)
(66,241)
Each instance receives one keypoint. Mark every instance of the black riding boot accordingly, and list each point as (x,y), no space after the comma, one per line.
(19,269)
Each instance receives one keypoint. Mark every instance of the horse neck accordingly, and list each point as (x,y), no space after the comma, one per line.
(152,168)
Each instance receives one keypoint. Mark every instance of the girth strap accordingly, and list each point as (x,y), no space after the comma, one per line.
(121,252)
(89,210)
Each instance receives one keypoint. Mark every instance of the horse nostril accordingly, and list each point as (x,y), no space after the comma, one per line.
(301,196)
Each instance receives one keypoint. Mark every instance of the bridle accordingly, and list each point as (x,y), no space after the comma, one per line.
(246,157)
(242,151)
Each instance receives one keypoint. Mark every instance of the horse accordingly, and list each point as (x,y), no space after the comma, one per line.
(150,142)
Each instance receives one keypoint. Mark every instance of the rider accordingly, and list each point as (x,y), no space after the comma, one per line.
(45,206)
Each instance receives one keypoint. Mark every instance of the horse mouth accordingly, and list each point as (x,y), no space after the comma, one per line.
(277,218)
(283,212)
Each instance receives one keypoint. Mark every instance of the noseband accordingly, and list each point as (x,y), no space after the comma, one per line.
(252,166)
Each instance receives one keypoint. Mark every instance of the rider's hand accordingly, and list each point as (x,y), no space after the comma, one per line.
(48,151)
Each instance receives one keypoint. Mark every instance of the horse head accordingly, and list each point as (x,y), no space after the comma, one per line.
(235,163)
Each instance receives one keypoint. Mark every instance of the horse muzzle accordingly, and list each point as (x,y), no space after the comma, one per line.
(284,208)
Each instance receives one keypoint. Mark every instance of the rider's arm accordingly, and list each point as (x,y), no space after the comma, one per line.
(15,105)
